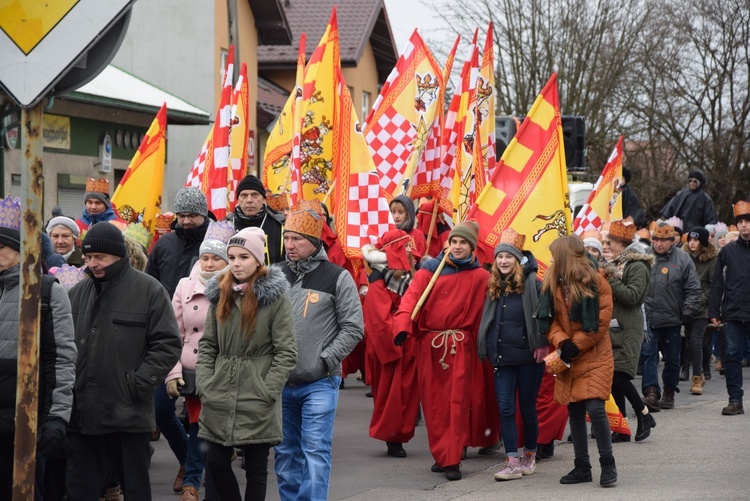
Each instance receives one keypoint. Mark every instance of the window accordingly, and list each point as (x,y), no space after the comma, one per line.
(365,105)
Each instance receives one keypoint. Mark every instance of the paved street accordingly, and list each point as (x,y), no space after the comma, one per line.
(693,453)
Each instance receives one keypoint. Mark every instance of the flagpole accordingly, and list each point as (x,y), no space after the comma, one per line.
(430,286)
(330,190)
(433,222)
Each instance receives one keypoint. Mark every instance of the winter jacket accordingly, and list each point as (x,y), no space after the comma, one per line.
(673,289)
(327,316)
(730,289)
(694,207)
(632,207)
(590,373)
(76,258)
(240,378)
(190,309)
(705,264)
(86,219)
(272,223)
(128,341)
(509,320)
(629,286)
(57,353)
(173,255)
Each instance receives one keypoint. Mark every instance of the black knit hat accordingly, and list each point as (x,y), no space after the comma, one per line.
(250,183)
(105,238)
(700,234)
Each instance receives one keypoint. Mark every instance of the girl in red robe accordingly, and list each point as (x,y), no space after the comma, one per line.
(445,330)
(391,369)
(405,218)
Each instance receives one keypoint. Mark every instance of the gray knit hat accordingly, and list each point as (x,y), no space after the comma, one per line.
(215,247)
(191,201)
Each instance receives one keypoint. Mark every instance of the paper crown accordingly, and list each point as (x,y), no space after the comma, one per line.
(623,229)
(675,222)
(97,185)
(304,221)
(644,233)
(68,275)
(164,221)
(314,205)
(10,213)
(605,227)
(221,231)
(512,237)
(120,225)
(278,202)
(591,234)
(664,230)
(140,234)
(741,210)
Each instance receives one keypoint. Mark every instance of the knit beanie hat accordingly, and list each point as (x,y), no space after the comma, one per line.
(720,230)
(596,244)
(215,247)
(105,238)
(511,242)
(700,234)
(64,221)
(190,200)
(468,230)
(253,240)
(10,223)
(250,183)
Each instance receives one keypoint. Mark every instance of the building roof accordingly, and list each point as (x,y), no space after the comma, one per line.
(271,101)
(271,22)
(359,21)
(117,88)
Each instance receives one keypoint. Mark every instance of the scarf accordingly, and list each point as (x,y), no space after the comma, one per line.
(585,311)
(397,285)
(239,288)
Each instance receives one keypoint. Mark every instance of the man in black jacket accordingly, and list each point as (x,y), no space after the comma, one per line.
(252,210)
(128,341)
(729,304)
(630,204)
(693,205)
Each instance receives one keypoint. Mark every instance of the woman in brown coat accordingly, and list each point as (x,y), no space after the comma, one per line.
(575,311)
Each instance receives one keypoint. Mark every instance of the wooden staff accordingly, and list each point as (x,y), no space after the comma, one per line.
(330,190)
(433,222)
(430,285)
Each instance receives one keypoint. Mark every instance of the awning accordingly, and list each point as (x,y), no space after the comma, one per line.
(117,88)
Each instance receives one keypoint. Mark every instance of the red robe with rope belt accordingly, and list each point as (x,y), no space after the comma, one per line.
(391,369)
(445,332)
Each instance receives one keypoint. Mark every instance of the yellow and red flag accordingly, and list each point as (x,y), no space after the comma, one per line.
(399,123)
(138,196)
(485,112)
(617,422)
(238,136)
(529,190)
(294,169)
(316,140)
(359,207)
(604,202)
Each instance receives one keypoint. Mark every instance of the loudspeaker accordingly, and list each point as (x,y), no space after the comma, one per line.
(505,129)
(574,138)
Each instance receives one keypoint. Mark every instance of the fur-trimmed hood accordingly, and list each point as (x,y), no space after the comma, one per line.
(707,255)
(268,289)
(374,257)
(631,256)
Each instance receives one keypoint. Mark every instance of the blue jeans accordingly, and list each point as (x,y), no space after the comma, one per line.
(303,459)
(666,339)
(524,379)
(735,333)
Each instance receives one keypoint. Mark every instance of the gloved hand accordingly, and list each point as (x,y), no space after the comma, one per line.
(687,319)
(540,353)
(52,440)
(568,351)
(173,387)
(400,338)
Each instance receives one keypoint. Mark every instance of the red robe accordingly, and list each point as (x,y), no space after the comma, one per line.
(419,243)
(445,331)
(391,369)
(484,427)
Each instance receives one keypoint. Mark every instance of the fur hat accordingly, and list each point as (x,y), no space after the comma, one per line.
(511,242)
(664,231)
(253,239)
(623,229)
(699,233)
(741,211)
(98,189)
(105,238)
(250,182)
(10,223)
(64,221)
(468,230)
(191,200)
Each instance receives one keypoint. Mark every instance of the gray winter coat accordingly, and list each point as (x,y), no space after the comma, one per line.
(673,289)
(327,316)
(239,378)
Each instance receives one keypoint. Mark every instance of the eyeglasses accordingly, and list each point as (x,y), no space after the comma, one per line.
(691,180)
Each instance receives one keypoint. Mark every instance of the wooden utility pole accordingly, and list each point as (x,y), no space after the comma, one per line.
(234,36)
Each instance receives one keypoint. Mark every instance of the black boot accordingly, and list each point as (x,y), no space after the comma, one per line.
(645,423)
(619,437)
(396,449)
(609,471)
(684,374)
(581,473)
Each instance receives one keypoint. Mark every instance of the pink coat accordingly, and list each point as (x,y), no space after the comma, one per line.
(190,308)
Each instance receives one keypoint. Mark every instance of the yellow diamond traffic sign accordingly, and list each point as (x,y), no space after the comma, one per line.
(27,22)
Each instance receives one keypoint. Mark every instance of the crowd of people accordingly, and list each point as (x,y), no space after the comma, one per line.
(253,323)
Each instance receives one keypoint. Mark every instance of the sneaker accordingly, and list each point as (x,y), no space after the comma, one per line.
(511,470)
(453,473)
(697,387)
(528,463)
(733,409)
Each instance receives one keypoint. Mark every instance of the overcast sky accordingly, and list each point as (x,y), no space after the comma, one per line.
(405,15)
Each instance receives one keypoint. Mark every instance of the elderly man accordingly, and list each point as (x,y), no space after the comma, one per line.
(328,322)
(673,296)
(252,210)
(729,304)
(128,341)
(64,234)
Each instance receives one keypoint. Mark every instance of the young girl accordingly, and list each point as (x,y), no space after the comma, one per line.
(405,217)
(245,356)
(574,311)
(509,338)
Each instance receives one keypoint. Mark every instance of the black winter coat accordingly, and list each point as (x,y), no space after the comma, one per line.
(174,255)
(730,288)
(270,222)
